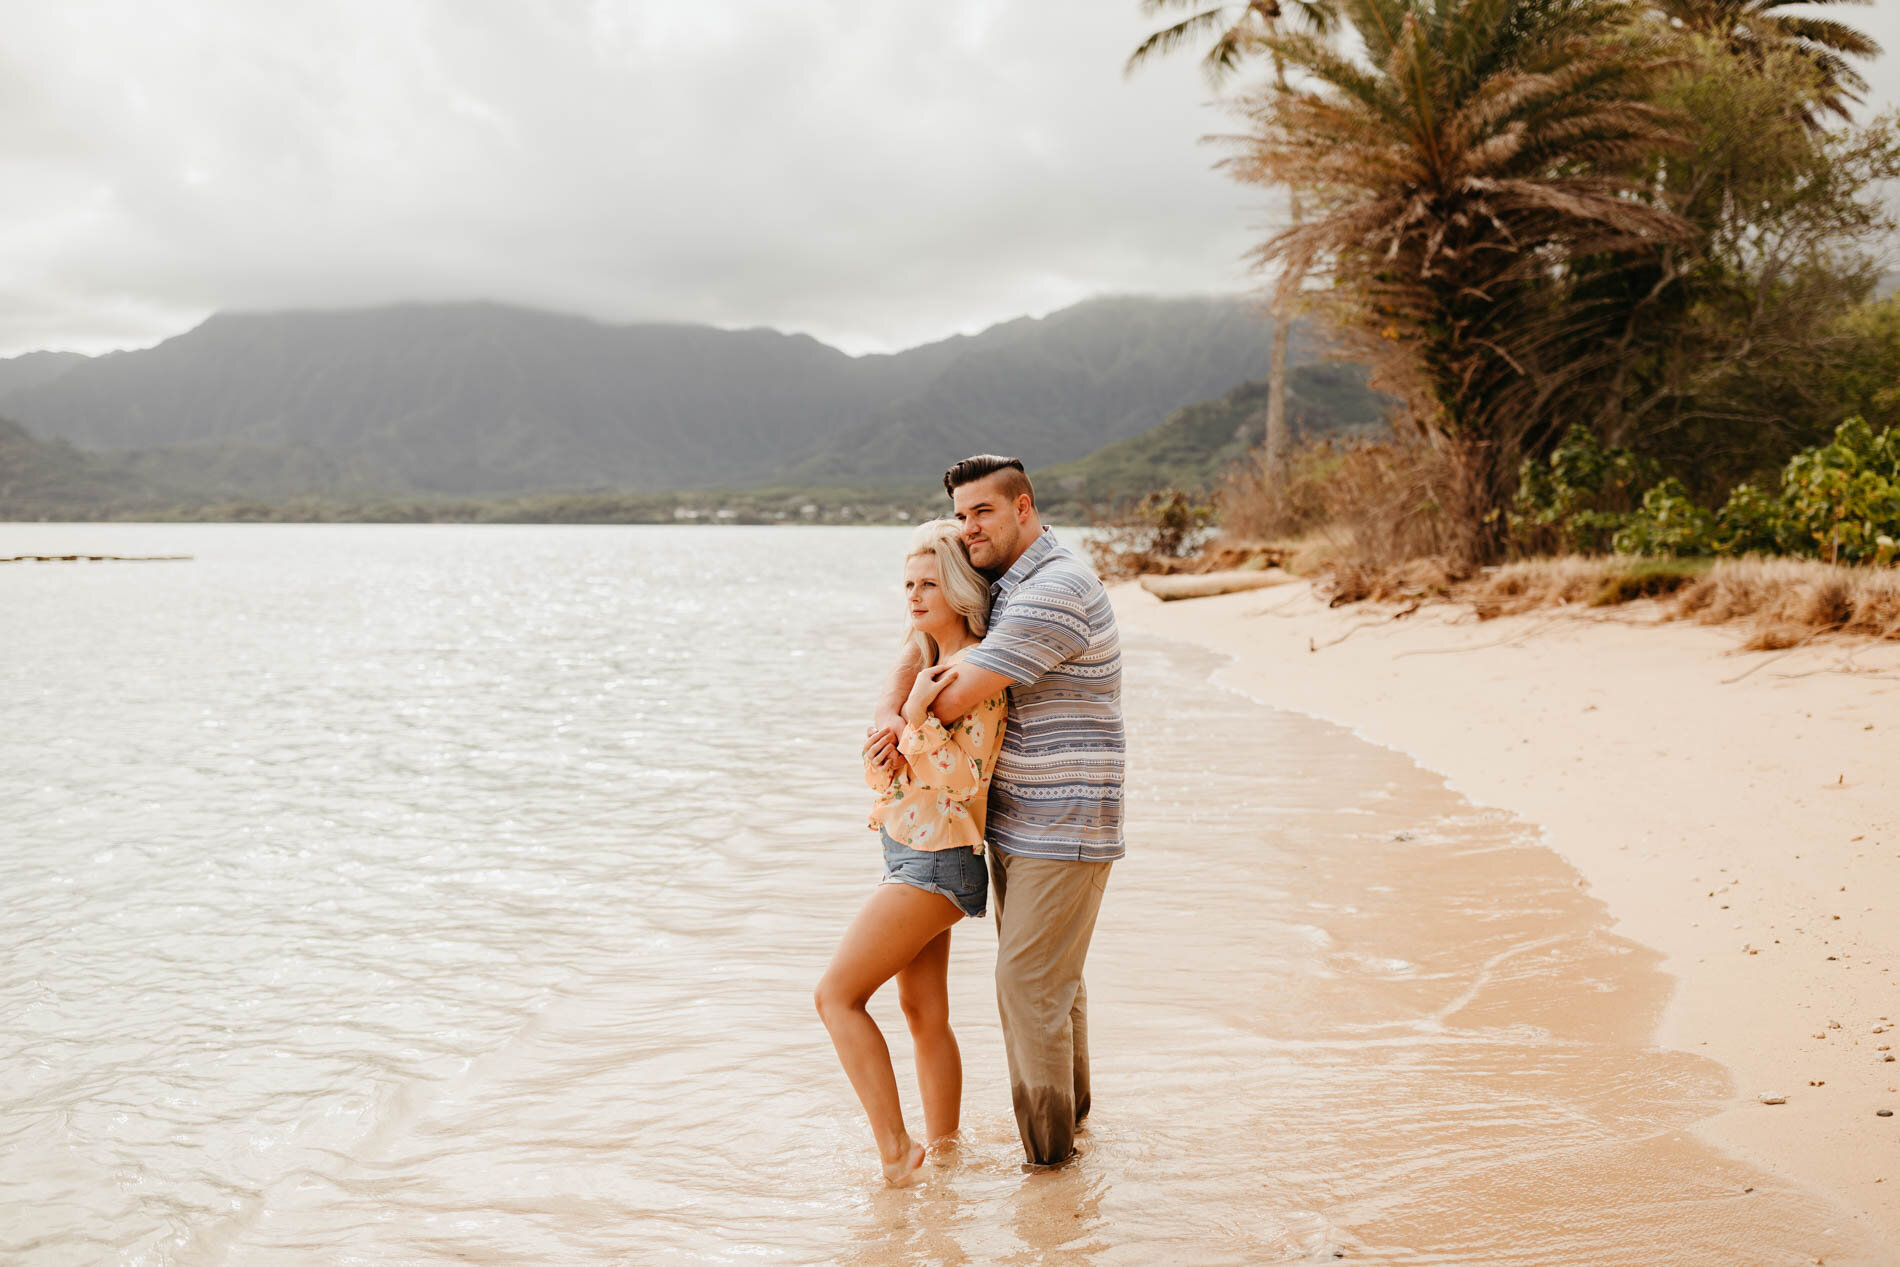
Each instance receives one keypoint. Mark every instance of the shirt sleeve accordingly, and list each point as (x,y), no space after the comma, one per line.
(1043,624)
(943,759)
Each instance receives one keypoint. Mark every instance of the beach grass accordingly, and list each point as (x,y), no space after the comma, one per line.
(1787,600)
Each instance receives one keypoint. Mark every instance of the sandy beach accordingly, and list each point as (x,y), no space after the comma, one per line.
(1734,811)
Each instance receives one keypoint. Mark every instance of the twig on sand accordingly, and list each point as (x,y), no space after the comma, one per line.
(1480,646)
(1269,611)
(1397,615)
(1812,635)
(1847,661)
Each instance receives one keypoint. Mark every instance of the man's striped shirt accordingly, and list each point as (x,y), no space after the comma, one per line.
(1057,789)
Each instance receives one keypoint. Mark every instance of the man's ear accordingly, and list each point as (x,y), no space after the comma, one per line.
(1024,507)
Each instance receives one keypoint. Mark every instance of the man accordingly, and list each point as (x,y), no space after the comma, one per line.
(1055,803)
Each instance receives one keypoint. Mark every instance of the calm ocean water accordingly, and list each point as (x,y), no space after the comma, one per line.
(421,894)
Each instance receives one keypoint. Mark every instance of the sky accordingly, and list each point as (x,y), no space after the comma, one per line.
(876,173)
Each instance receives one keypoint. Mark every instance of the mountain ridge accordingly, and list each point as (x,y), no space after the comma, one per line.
(482,398)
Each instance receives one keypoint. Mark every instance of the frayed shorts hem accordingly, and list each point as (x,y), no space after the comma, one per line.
(959,874)
(956,900)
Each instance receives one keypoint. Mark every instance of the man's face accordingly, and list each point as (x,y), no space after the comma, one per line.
(992,525)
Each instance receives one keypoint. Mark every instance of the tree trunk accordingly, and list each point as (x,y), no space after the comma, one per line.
(1275,439)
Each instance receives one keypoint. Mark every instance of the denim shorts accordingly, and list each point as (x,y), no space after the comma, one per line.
(959,874)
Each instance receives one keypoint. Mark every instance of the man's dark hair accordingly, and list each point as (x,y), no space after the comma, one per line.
(970,470)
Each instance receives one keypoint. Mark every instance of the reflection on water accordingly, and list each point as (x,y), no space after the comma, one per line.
(448,894)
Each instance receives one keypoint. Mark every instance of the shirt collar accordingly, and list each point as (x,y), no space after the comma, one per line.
(1039,549)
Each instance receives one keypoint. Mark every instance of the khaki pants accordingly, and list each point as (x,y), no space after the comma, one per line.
(1045,915)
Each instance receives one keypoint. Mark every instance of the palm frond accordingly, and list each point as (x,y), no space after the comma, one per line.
(1835,36)
(1166,40)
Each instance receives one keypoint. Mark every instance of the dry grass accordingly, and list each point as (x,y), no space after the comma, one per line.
(1533,583)
(1788,601)
(1383,519)
(1598,581)
(1793,600)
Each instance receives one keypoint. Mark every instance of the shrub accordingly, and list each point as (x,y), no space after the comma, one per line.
(1841,501)
(1577,499)
(1255,508)
(1164,525)
(1749,522)
(1667,523)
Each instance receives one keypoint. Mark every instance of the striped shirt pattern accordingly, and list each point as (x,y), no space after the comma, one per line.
(1057,788)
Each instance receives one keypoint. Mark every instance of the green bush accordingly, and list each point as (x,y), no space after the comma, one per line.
(1749,522)
(1576,501)
(1841,501)
(1838,501)
(1667,523)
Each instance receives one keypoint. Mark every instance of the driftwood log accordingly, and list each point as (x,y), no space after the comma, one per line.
(1207,584)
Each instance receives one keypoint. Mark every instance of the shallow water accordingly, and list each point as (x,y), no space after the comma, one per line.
(431,894)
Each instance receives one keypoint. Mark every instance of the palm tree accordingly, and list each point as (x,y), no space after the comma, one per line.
(1452,175)
(1750,28)
(1243,30)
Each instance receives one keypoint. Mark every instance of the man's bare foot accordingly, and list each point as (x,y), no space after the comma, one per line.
(903,1172)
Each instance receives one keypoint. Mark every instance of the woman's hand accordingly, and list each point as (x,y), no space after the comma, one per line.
(881,756)
(929,685)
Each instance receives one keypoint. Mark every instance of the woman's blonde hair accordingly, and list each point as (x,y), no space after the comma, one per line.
(963,586)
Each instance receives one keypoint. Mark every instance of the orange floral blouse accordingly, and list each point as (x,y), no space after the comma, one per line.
(940,802)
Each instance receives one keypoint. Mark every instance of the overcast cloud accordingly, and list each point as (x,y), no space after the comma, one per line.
(874,172)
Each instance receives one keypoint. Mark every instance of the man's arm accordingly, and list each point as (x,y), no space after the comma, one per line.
(1044,624)
(970,687)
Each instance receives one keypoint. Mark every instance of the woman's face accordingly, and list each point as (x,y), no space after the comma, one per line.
(930,610)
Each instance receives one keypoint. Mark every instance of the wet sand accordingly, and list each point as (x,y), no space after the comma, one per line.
(1744,827)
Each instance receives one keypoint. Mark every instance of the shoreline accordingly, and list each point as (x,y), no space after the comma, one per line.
(1735,812)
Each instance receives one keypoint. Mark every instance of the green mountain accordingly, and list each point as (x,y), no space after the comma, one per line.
(1198,442)
(460,400)
(1058,388)
(50,479)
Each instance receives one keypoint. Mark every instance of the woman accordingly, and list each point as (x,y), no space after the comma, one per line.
(930,811)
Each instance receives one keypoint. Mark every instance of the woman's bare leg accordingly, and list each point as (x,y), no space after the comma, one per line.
(923,988)
(895,923)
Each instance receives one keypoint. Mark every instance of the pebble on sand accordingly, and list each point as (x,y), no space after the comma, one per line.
(1883,1112)
(1768,1098)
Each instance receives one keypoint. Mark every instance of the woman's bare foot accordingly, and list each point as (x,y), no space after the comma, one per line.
(903,1172)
